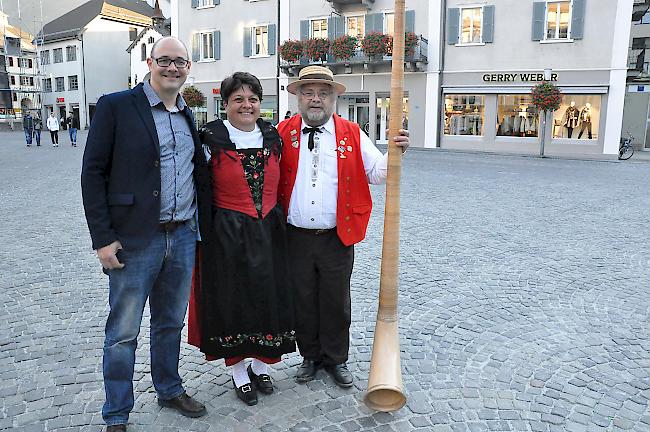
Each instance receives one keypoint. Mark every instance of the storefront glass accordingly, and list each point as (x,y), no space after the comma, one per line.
(578,117)
(464,114)
(516,116)
(268,109)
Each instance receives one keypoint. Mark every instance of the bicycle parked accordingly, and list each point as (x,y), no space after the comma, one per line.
(626,150)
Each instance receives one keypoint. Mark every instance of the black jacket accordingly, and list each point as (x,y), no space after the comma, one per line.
(120,176)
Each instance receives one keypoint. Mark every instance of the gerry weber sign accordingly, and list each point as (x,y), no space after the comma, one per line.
(516,77)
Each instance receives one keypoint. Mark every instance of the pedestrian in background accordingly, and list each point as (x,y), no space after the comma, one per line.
(53,127)
(38,126)
(73,126)
(144,181)
(28,128)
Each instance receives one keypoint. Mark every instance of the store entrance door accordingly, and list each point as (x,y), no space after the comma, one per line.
(383,118)
(359,112)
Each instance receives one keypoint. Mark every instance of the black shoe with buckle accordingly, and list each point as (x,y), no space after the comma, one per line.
(307,370)
(184,405)
(341,374)
(262,382)
(246,393)
(116,428)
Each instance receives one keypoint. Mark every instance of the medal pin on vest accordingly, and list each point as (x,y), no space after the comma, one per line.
(294,138)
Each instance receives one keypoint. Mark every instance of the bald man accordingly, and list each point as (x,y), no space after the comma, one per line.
(145,187)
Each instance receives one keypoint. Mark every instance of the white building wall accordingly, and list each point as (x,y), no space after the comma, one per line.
(64,69)
(139,68)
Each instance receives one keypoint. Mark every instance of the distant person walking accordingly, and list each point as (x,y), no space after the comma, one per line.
(38,126)
(28,128)
(73,127)
(53,126)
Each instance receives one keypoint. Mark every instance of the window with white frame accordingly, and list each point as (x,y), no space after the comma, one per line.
(73,82)
(206,47)
(58,55)
(205,3)
(471,22)
(260,40)
(356,26)
(47,85)
(71,53)
(25,81)
(558,19)
(389,23)
(60,84)
(45,57)
(319,28)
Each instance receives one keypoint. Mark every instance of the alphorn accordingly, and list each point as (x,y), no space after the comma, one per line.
(385,391)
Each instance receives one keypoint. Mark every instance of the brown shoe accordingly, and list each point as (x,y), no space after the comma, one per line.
(116,428)
(184,405)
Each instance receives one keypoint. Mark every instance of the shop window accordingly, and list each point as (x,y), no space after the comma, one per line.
(471,20)
(558,17)
(219,109)
(268,109)
(516,116)
(578,117)
(200,115)
(464,114)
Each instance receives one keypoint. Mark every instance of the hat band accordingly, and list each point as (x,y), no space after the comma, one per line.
(316,76)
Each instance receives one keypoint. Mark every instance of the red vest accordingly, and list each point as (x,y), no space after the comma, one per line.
(353,203)
(231,190)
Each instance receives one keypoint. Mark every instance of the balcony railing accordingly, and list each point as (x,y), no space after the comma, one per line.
(416,62)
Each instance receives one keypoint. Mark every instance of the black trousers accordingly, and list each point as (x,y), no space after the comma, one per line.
(320,269)
(54,136)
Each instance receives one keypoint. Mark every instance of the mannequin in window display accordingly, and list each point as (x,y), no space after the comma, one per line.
(585,120)
(571,118)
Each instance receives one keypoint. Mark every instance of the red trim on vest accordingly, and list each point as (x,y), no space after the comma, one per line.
(353,203)
(230,185)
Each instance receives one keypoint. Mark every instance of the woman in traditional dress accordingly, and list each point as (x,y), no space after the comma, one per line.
(242,304)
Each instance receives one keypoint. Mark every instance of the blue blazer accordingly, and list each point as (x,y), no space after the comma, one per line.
(120,176)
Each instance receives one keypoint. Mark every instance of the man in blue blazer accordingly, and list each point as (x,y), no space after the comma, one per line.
(146,191)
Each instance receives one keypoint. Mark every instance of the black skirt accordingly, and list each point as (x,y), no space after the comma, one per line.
(247,305)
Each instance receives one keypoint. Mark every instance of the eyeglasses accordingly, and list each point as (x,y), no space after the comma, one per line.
(321,95)
(180,62)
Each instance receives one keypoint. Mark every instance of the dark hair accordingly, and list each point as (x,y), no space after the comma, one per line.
(237,81)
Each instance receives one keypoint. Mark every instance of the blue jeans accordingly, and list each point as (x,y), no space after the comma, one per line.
(161,272)
(37,135)
(28,135)
(73,135)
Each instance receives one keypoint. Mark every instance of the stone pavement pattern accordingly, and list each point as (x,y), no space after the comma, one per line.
(525,305)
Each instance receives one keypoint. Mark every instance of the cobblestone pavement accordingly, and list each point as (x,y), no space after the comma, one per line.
(524,305)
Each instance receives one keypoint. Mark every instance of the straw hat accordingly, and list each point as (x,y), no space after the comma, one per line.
(315,75)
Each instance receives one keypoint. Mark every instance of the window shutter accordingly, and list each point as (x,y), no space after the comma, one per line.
(273,40)
(374,23)
(196,47)
(331,34)
(304,35)
(195,4)
(453,25)
(248,40)
(304,29)
(339,26)
(578,19)
(409,21)
(488,24)
(216,44)
(539,12)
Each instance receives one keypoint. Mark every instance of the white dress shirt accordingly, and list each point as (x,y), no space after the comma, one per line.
(314,195)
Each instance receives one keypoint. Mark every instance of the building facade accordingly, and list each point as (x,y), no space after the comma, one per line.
(467,80)
(19,83)
(80,47)
(245,41)
(140,48)
(495,51)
